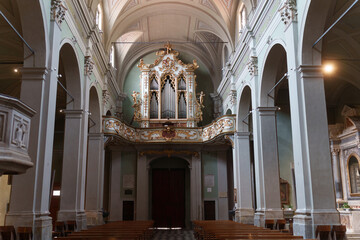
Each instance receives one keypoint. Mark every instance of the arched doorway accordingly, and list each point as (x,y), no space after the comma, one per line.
(170,192)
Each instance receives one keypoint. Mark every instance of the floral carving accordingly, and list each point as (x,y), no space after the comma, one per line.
(58,11)
(288,11)
(253,66)
(89,65)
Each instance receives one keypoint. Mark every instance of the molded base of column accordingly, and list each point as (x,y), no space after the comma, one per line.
(305,223)
(43,227)
(261,216)
(79,217)
(94,218)
(245,216)
(42,223)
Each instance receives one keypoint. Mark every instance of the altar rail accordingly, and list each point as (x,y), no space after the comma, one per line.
(221,126)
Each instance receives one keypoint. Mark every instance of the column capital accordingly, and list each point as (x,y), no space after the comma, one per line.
(310,71)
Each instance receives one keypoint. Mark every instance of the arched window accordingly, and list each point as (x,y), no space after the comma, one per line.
(354,175)
(242,18)
(98,17)
(112,56)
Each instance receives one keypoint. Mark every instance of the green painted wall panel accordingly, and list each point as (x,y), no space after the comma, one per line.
(210,167)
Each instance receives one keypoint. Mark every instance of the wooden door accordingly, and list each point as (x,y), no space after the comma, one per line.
(209,210)
(128,210)
(168,197)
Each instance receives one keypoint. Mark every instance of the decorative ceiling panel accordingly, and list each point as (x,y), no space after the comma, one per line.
(168,26)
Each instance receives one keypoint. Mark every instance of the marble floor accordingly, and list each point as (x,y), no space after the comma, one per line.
(182,234)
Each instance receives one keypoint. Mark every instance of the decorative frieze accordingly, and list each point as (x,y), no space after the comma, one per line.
(253,66)
(58,11)
(89,65)
(288,11)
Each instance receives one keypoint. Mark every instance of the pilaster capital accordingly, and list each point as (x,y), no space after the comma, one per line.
(71,113)
(58,11)
(267,111)
(88,65)
(242,135)
(253,66)
(288,12)
(311,71)
(335,151)
(33,73)
(95,136)
(106,96)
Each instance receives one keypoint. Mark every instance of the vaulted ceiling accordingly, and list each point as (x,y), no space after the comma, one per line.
(198,27)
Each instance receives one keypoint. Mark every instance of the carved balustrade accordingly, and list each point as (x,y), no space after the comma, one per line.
(222,126)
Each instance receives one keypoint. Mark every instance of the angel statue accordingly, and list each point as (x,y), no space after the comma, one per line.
(136,106)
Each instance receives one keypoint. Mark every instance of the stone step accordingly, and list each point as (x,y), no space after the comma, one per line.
(353,236)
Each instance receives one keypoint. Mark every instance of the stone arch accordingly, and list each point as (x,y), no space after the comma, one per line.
(108,113)
(272,72)
(34,31)
(95,110)
(245,107)
(350,182)
(71,67)
(154,158)
(313,26)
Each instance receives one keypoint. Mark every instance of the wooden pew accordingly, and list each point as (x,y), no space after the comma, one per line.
(116,230)
(221,230)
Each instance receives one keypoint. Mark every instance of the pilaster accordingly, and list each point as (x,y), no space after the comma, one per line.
(336,171)
(244,211)
(269,206)
(142,188)
(313,171)
(95,179)
(29,202)
(73,177)
(195,188)
(115,180)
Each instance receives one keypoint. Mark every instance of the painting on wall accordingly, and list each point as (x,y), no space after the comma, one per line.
(284,191)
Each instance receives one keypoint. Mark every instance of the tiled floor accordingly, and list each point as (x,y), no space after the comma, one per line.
(174,235)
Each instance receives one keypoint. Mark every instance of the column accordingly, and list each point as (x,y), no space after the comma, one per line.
(195,188)
(336,171)
(74,170)
(30,194)
(142,189)
(270,204)
(94,179)
(316,204)
(242,160)
(115,187)
(223,204)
